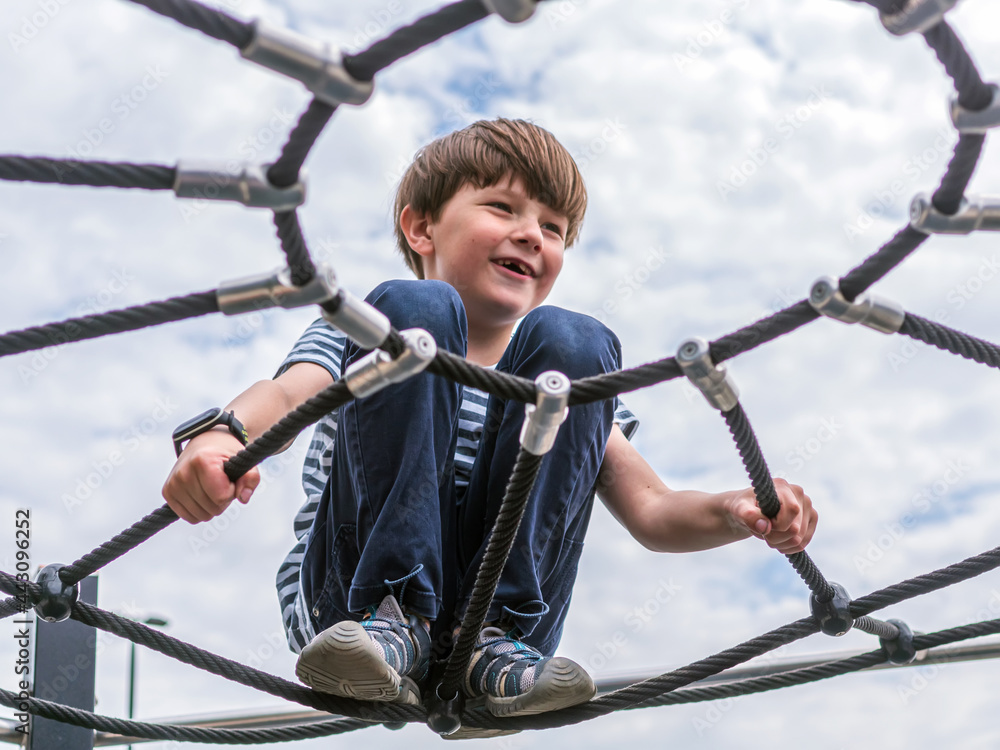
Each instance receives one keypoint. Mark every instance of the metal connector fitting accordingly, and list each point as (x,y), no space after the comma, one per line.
(899,650)
(976,213)
(316,64)
(214,181)
(917,16)
(275,290)
(711,379)
(977,122)
(512,11)
(833,617)
(363,323)
(57,598)
(874,312)
(375,371)
(543,418)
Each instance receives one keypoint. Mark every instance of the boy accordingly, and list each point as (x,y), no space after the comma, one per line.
(403,486)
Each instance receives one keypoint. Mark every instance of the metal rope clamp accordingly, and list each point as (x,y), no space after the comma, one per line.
(917,16)
(216,181)
(976,122)
(975,213)
(362,322)
(378,369)
(899,650)
(57,598)
(316,64)
(275,289)
(543,418)
(512,11)
(711,379)
(874,312)
(833,616)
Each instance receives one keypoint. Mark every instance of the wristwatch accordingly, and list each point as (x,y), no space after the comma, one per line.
(205,422)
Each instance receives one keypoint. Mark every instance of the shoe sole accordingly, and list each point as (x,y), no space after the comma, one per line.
(561,683)
(342,660)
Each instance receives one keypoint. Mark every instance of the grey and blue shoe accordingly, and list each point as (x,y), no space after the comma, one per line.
(517,680)
(382,658)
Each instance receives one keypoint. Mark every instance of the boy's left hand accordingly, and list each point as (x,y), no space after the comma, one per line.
(788,532)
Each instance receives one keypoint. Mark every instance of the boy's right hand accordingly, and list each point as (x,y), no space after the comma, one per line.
(197,488)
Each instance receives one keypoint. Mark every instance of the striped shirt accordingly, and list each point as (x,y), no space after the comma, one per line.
(323,345)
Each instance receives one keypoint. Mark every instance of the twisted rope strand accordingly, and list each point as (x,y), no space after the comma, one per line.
(93,173)
(104,324)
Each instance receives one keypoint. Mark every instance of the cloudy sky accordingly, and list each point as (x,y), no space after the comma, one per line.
(735,150)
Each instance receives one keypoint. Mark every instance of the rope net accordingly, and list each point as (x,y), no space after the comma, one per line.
(350,83)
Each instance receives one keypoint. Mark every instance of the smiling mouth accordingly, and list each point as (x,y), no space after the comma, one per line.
(512,265)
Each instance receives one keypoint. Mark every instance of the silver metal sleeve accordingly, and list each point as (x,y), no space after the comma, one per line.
(874,312)
(247,185)
(512,11)
(375,371)
(316,64)
(978,122)
(975,213)
(543,418)
(917,16)
(711,379)
(275,290)
(362,322)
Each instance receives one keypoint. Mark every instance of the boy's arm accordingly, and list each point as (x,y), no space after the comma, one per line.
(197,488)
(666,520)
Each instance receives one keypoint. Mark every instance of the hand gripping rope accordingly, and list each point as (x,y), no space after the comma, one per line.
(334,79)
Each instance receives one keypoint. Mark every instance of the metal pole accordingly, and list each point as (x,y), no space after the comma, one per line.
(131,684)
(157,622)
(64,670)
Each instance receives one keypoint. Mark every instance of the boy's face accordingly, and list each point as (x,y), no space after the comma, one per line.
(501,249)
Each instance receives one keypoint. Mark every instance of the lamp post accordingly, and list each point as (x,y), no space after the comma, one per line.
(156,622)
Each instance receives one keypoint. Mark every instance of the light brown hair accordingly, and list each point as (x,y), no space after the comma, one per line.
(485,154)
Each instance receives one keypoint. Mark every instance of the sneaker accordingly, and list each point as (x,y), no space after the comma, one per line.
(381,658)
(515,679)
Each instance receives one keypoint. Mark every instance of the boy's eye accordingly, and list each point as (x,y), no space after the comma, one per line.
(553,228)
(502,206)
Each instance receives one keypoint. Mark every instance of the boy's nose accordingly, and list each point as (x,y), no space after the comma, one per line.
(530,234)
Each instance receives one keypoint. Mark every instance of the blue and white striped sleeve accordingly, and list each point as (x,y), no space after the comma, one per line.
(625,419)
(321,344)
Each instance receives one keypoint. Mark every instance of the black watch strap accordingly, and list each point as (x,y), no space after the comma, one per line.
(205,422)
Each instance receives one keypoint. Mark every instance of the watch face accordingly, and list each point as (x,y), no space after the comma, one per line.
(196,424)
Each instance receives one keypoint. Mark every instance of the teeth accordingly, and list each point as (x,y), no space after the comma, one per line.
(523,269)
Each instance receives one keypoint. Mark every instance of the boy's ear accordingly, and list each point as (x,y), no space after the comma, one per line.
(417,230)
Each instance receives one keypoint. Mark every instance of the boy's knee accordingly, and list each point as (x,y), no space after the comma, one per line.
(582,344)
(432,305)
